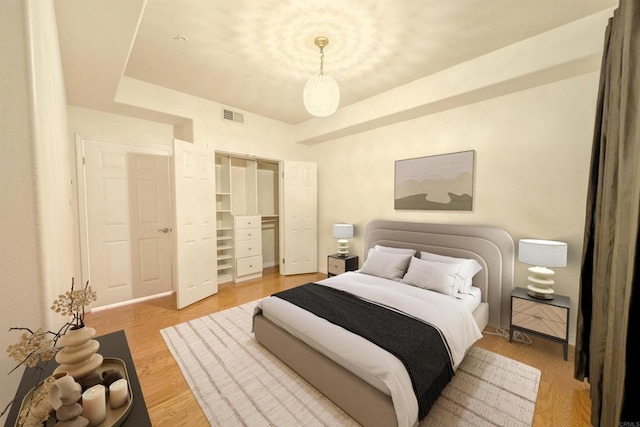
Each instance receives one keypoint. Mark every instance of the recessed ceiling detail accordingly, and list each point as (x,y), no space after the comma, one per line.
(257,56)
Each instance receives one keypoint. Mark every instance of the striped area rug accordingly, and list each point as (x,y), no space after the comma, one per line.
(236,381)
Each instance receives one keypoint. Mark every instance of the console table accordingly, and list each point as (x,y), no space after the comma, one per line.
(111,345)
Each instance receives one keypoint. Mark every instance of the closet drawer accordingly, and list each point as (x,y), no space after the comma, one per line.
(249,265)
(248,233)
(247,221)
(246,248)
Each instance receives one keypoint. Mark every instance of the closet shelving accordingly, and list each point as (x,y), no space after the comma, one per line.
(247,195)
(224,220)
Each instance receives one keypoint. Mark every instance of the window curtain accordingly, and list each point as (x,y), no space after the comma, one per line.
(609,306)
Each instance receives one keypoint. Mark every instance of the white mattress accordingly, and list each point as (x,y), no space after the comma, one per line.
(471,300)
(366,360)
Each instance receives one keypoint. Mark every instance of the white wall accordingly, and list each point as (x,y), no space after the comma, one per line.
(37,261)
(52,155)
(532,159)
(257,136)
(18,277)
(92,123)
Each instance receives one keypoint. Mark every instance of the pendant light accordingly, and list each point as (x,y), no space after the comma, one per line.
(321,93)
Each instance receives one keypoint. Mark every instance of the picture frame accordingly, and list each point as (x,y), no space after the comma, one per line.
(441,182)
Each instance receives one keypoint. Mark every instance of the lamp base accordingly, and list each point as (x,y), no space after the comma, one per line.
(540,282)
(539,292)
(343,247)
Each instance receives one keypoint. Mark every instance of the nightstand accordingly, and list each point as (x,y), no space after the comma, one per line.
(337,264)
(548,319)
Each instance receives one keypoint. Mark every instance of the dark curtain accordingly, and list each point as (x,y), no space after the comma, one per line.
(609,306)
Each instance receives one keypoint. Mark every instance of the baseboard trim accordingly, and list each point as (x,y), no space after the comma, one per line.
(132,301)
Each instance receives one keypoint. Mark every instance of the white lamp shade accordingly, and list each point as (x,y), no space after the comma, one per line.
(321,96)
(342,231)
(543,253)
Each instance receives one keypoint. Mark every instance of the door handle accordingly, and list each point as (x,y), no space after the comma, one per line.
(164,230)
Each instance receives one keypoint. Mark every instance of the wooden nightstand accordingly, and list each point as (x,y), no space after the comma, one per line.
(546,318)
(337,264)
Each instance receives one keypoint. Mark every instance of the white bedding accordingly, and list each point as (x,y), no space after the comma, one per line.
(366,360)
(472,300)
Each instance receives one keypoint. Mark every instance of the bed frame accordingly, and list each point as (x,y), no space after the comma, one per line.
(492,247)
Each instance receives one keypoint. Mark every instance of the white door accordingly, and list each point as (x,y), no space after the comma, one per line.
(108,221)
(195,230)
(299,218)
(104,194)
(150,219)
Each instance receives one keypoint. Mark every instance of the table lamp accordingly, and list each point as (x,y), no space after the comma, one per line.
(343,232)
(542,254)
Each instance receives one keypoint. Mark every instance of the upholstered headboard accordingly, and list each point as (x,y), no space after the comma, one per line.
(492,247)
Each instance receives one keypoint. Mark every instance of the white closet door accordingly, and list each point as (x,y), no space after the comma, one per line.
(195,222)
(299,218)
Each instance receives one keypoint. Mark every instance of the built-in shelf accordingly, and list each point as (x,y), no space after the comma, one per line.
(269,218)
(223,266)
(224,219)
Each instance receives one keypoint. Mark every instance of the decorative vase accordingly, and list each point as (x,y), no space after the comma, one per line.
(78,355)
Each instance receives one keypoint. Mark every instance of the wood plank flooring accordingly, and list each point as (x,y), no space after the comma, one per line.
(562,401)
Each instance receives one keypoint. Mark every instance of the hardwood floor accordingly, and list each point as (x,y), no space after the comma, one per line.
(562,401)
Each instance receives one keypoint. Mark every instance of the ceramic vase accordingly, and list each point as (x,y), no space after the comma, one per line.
(79,353)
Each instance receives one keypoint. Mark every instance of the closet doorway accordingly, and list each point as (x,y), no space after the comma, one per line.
(125,219)
(266,216)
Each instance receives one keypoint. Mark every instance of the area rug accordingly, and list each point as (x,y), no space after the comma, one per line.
(236,381)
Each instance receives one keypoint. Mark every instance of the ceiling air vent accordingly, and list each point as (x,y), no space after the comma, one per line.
(232,116)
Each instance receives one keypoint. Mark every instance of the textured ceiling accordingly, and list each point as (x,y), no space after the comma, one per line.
(256,55)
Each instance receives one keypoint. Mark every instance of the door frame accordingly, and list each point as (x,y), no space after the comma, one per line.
(132,147)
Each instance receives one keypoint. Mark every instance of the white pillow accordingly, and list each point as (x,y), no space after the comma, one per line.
(470,267)
(434,276)
(391,250)
(385,264)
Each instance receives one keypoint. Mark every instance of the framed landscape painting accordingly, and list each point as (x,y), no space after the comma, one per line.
(443,182)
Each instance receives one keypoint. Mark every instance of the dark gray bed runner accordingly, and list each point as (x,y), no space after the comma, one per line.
(418,345)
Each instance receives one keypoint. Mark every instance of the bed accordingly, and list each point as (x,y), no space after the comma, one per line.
(370,401)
